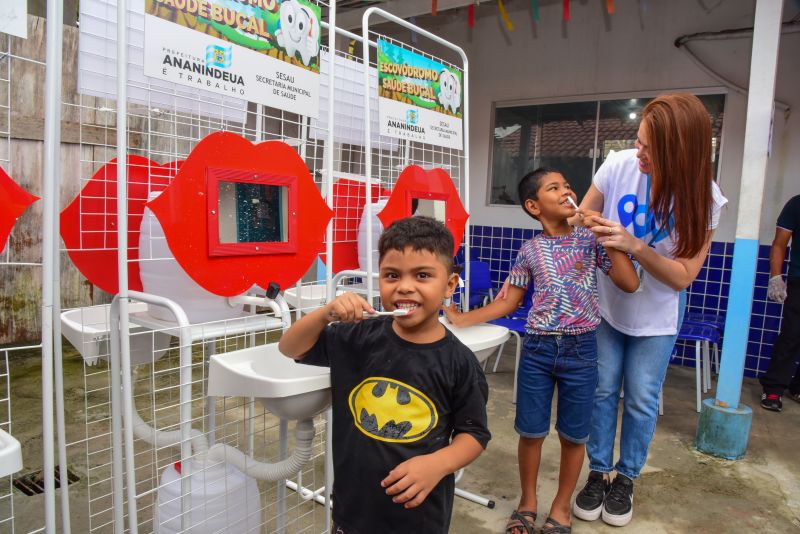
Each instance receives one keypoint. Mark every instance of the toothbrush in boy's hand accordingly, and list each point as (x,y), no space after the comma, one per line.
(399,312)
(396,313)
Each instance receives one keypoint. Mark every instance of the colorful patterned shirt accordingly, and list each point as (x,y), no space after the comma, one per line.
(562,269)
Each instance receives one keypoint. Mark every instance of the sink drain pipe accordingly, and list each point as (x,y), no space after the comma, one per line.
(287,468)
(165,438)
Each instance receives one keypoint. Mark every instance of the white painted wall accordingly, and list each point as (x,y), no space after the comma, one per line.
(629,52)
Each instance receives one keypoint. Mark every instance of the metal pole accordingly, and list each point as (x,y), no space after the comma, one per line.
(61,433)
(465,147)
(328,466)
(122,271)
(328,163)
(723,428)
(367,149)
(52,126)
(116,421)
(757,138)
(330,289)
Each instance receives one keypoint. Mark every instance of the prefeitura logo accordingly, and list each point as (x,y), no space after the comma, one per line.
(219,56)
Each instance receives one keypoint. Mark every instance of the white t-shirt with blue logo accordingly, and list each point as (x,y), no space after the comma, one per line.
(653,311)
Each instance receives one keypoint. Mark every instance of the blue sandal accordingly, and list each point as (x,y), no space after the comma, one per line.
(521,523)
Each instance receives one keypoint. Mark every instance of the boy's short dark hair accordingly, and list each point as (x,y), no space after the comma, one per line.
(528,187)
(419,233)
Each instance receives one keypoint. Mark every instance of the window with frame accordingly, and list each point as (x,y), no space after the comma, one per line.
(572,137)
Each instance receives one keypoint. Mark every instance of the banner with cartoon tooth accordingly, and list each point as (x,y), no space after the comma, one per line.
(420,99)
(264,51)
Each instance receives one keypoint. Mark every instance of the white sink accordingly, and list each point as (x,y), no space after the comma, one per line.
(10,454)
(87,329)
(288,389)
(310,297)
(482,339)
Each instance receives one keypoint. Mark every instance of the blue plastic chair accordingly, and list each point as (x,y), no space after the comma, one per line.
(708,319)
(516,327)
(481,289)
(703,336)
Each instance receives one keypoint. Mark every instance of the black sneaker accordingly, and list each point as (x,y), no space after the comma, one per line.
(618,506)
(794,396)
(589,502)
(771,402)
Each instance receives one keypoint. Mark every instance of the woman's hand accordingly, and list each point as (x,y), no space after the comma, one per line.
(582,217)
(612,234)
(589,217)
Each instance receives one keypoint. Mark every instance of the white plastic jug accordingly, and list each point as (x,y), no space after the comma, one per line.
(377,230)
(162,275)
(223,500)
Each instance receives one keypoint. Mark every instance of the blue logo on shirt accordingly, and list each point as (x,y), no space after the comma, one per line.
(643,220)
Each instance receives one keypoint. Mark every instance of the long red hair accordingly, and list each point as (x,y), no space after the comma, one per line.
(679,140)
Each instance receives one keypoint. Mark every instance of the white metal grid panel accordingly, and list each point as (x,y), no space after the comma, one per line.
(165,122)
(19,260)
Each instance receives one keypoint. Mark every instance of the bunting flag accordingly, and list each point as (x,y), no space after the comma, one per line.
(471,16)
(610,6)
(536,10)
(566,9)
(433,7)
(504,15)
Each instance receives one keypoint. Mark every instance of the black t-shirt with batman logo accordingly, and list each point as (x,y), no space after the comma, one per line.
(393,400)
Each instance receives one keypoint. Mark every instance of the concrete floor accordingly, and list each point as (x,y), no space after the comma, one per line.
(680,490)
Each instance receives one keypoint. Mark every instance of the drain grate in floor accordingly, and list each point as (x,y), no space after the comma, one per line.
(33,483)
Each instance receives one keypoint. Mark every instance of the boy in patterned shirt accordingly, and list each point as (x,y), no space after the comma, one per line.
(559,347)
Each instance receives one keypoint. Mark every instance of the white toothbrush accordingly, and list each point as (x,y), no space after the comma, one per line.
(399,312)
(396,313)
(572,202)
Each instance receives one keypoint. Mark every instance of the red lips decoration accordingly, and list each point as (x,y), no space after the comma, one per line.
(13,201)
(435,184)
(89,222)
(182,211)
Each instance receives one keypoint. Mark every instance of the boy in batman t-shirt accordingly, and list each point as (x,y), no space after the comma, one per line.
(409,399)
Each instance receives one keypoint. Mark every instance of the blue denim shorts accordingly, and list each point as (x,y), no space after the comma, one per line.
(569,362)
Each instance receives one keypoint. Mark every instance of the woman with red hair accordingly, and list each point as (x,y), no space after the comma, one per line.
(658,203)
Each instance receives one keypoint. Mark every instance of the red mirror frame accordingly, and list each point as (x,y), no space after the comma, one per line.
(434,184)
(218,248)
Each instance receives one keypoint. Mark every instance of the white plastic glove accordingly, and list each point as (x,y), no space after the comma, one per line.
(777,289)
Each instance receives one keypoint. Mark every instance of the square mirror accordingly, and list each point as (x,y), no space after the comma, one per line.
(430,208)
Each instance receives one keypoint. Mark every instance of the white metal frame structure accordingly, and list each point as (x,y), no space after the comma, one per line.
(428,157)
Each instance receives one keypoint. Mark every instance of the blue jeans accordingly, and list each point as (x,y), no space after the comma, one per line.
(641,364)
(569,361)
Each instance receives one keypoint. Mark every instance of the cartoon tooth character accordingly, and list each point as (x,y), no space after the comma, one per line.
(298,30)
(449,90)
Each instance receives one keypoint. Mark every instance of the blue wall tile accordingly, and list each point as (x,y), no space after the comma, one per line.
(498,246)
